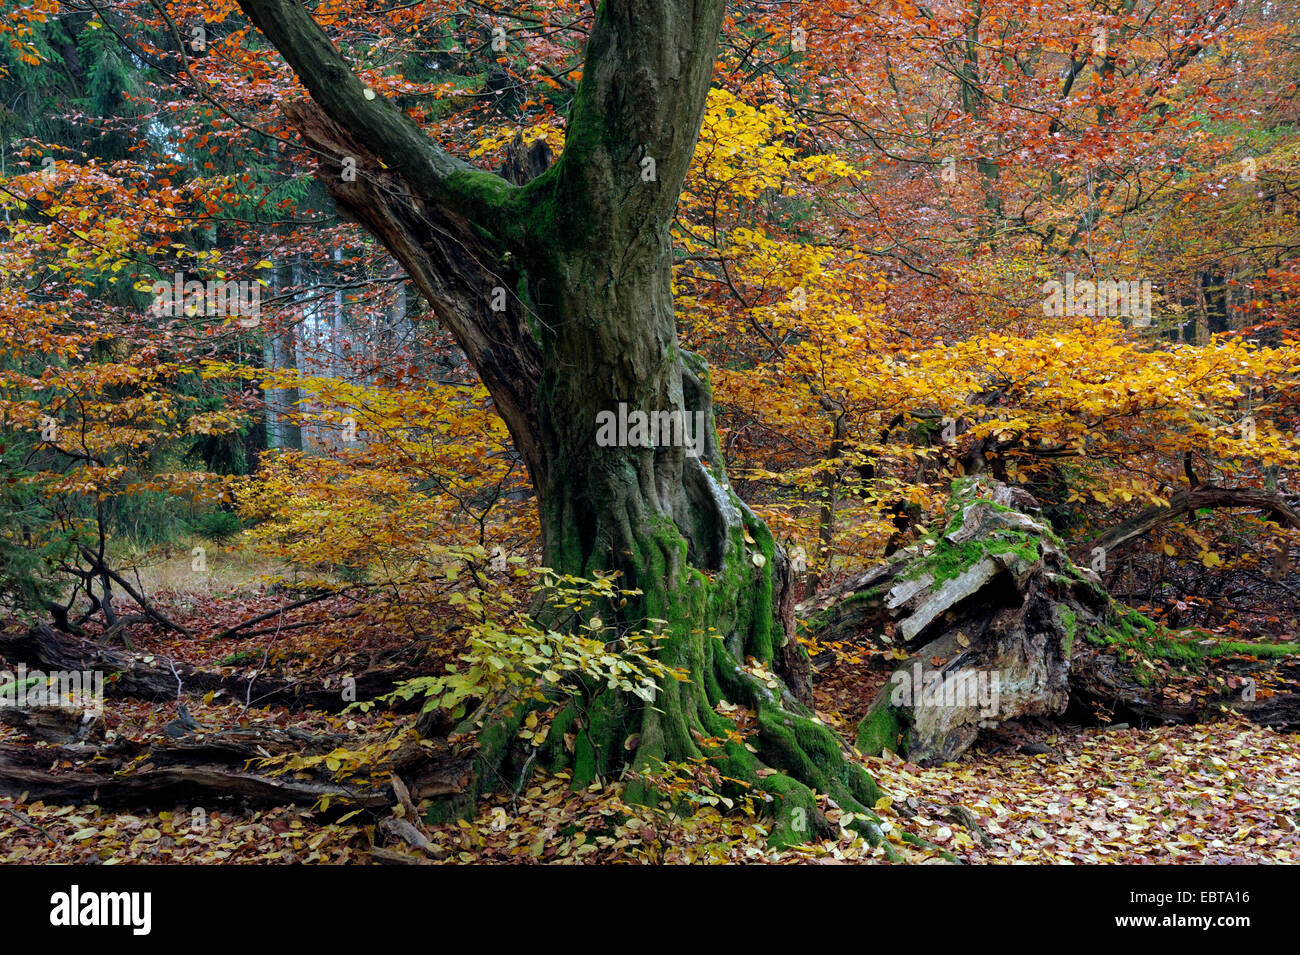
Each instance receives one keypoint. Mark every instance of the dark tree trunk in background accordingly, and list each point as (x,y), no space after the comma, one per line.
(583,254)
(1215,289)
(279,350)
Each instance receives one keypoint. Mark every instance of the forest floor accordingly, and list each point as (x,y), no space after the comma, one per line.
(1216,793)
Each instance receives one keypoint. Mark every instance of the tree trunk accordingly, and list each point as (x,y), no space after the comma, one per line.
(280,351)
(999,624)
(582,254)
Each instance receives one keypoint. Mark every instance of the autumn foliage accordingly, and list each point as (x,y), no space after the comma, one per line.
(881,198)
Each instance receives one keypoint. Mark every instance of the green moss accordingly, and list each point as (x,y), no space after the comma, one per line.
(948,561)
(813,753)
(553,756)
(796,813)
(1130,630)
(491,765)
(451,808)
(914,840)
(471,192)
(1070,624)
(882,730)
(762,617)
(812,758)
(1266,650)
(596,742)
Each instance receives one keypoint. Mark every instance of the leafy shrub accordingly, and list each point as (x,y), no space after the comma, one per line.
(512,655)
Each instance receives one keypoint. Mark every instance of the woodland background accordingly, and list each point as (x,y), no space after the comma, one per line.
(319,491)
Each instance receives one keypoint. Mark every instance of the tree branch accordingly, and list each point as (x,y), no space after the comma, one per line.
(1191,500)
(376,122)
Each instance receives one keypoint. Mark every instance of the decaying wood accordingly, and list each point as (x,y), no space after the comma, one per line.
(212,768)
(129,675)
(53,724)
(1103,681)
(997,594)
(790,664)
(401,830)
(994,599)
(126,772)
(390,857)
(525,162)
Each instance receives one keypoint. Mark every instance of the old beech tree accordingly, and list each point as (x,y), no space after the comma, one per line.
(584,253)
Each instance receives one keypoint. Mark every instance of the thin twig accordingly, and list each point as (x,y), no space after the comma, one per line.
(27,822)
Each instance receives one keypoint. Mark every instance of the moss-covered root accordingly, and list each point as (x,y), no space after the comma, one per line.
(492,767)
(811,759)
(797,759)
(885,727)
(684,722)
(808,757)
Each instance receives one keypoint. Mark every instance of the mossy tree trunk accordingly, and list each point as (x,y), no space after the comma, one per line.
(583,255)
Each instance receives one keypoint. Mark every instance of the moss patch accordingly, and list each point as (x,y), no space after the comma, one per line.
(947,560)
(882,730)
(1189,649)
(1070,624)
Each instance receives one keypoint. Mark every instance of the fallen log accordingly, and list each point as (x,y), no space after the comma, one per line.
(1184,502)
(53,724)
(1102,680)
(143,676)
(216,768)
(209,770)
